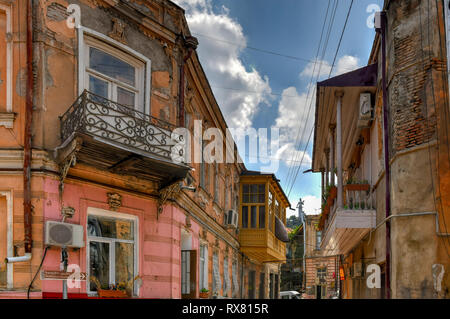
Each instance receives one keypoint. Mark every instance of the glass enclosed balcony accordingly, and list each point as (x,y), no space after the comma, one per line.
(262,217)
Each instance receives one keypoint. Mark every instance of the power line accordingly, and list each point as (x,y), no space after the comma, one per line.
(258,49)
(309,86)
(337,51)
(294,173)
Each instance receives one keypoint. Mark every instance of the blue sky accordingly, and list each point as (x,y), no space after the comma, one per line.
(260,90)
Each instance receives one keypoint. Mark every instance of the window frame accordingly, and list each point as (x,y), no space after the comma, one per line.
(203,273)
(115,215)
(256,205)
(86,35)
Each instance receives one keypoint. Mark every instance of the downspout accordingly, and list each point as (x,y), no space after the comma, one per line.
(27,144)
(386,156)
(191,44)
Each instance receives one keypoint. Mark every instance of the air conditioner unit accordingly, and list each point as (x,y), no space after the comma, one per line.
(231,218)
(63,234)
(365,110)
(357,270)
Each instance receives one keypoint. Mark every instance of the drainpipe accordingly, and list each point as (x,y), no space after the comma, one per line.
(191,44)
(27,144)
(382,17)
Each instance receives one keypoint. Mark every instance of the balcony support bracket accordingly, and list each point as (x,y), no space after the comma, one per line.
(68,161)
(165,194)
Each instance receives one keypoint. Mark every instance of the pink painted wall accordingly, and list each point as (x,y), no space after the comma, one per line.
(158,243)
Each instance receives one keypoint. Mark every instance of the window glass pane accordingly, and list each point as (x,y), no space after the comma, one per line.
(125,265)
(262,188)
(101,226)
(253,216)
(246,198)
(254,198)
(262,198)
(98,265)
(244,216)
(98,86)
(262,216)
(246,188)
(111,66)
(254,188)
(125,97)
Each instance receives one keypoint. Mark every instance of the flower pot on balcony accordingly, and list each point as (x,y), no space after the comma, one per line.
(357,187)
(106,293)
(204,295)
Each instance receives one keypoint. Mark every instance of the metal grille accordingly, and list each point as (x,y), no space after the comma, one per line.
(102,118)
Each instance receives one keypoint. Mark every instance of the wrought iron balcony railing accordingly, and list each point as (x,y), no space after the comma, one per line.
(118,124)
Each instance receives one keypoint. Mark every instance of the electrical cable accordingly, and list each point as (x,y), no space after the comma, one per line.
(337,51)
(37,272)
(296,171)
(296,155)
(310,81)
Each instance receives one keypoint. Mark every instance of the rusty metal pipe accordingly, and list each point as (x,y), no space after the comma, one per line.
(27,136)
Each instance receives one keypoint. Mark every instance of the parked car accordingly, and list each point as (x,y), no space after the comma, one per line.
(290,295)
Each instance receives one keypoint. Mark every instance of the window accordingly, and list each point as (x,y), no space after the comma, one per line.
(202,168)
(251,284)
(235,278)
(114,75)
(216,274)
(322,273)
(253,193)
(111,250)
(244,216)
(262,285)
(271,202)
(318,239)
(226,277)
(262,217)
(203,267)
(216,183)
(185,272)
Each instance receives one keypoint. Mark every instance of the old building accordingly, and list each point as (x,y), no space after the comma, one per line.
(90,100)
(262,234)
(321,280)
(363,137)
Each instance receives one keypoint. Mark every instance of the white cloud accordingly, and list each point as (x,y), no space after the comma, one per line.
(296,110)
(222,63)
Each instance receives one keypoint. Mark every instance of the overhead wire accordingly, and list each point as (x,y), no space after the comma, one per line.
(300,138)
(295,172)
(312,129)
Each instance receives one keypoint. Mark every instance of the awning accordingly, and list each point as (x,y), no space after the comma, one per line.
(280,230)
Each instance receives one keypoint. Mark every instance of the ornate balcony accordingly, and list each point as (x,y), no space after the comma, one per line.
(345,226)
(114,137)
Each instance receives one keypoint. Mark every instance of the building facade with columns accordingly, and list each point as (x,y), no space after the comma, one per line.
(384,159)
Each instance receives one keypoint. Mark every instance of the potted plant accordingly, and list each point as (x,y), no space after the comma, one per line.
(120,290)
(204,293)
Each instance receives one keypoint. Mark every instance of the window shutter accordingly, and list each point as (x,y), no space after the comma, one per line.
(216,274)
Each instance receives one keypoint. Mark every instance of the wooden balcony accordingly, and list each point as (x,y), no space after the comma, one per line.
(345,226)
(119,139)
(262,245)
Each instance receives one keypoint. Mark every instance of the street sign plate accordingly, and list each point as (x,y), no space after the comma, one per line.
(61,275)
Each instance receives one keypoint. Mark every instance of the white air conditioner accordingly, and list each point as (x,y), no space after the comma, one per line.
(357,270)
(365,110)
(63,234)
(231,218)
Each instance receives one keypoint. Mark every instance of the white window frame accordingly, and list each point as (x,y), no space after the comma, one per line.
(226,276)
(203,272)
(86,36)
(91,211)
(234,278)
(9,238)
(9,56)
(217,281)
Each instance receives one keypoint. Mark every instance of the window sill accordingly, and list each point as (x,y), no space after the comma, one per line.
(7,119)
